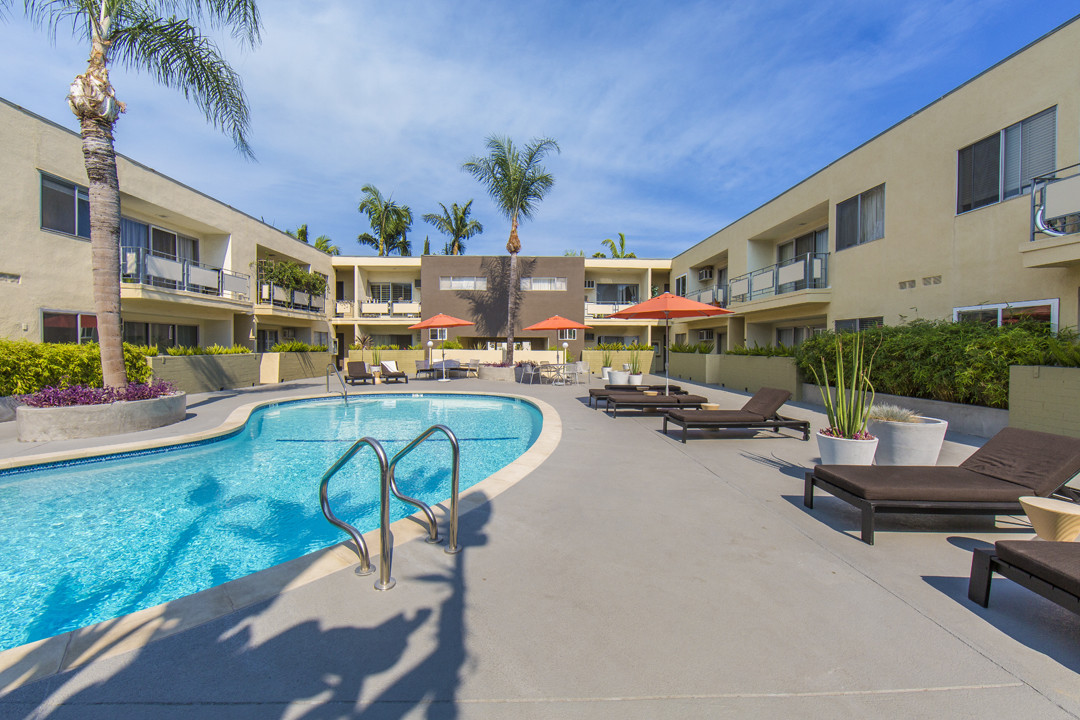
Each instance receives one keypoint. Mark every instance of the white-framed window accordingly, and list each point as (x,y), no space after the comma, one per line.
(680,285)
(861,219)
(437,334)
(1009,313)
(858,324)
(391,292)
(570,334)
(65,207)
(58,326)
(705,336)
(321,338)
(617,293)
(458,282)
(792,336)
(1001,166)
(544,283)
(163,335)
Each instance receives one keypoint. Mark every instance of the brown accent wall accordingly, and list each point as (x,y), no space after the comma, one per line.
(488,308)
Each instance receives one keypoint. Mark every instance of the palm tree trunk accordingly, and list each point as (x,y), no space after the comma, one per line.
(513,246)
(100,158)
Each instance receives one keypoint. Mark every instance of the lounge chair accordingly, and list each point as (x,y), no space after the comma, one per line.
(1051,569)
(424,366)
(598,394)
(1011,464)
(643,402)
(759,413)
(357,372)
(390,372)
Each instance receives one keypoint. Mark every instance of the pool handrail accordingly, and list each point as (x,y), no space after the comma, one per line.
(324,501)
(344,389)
(433,531)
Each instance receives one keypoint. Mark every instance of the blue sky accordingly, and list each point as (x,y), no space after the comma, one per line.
(674,118)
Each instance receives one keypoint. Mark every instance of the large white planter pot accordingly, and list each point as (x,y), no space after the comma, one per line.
(604,372)
(842,451)
(636,379)
(82,421)
(618,377)
(908,443)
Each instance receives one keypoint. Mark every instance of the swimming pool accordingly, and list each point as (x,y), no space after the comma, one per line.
(85,541)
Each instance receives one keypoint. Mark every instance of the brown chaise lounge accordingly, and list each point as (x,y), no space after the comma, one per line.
(643,402)
(390,372)
(1013,463)
(759,413)
(1051,569)
(357,372)
(598,394)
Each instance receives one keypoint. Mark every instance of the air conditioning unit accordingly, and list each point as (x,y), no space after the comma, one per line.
(590,284)
(704,274)
(704,335)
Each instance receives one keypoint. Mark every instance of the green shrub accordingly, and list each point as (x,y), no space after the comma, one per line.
(682,348)
(26,367)
(297,346)
(704,347)
(209,350)
(456,345)
(766,351)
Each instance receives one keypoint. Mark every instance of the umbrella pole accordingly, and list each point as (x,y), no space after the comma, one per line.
(667,344)
(444,378)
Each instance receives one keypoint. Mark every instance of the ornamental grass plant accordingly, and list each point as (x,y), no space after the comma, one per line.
(848,411)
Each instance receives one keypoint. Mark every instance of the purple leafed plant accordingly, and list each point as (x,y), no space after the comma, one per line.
(85,395)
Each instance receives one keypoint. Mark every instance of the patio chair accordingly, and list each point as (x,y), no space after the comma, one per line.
(390,372)
(578,372)
(759,413)
(529,371)
(641,401)
(473,368)
(1051,569)
(1011,464)
(358,372)
(424,366)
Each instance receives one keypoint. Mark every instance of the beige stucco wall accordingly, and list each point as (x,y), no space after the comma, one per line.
(206,373)
(1045,398)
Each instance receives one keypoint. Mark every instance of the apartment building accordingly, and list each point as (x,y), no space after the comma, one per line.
(965,210)
(194,270)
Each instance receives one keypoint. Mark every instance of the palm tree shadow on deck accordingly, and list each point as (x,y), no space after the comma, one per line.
(225,668)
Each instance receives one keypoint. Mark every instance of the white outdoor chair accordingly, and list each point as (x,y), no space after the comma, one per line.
(578,372)
(530,371)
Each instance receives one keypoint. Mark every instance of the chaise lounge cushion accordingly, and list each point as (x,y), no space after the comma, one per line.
(925,483)
(1058,563)
(766,401)
(715,416)
(637,398)
(1039,461)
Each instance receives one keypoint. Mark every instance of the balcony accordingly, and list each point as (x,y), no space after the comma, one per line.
(377,310)
(145,267)
(805,272)
(716,295)
(595,310)
(273,296)
(1055,220)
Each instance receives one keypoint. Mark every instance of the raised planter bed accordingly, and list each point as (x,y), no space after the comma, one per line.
(500,374)
(83,421)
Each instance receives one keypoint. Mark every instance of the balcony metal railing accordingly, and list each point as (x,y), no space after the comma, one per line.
(1055,203)
(379,309)
(146,267)
(809,271)
(602,309)
(716,294)
(276,296)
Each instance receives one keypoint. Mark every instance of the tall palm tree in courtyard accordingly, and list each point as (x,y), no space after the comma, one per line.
(517,182)
(455,224)
(152,36)
(389,221)
(618,251)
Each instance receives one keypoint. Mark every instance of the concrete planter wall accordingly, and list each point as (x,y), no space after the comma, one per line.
(82,421)
(967,419)
(405,359)
(595,358)
(750,373)
(205,373)
(695,367)
(1045,398)
(500,374)
(281,367)
(7,408)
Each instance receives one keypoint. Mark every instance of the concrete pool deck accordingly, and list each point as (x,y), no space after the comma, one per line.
(627,576)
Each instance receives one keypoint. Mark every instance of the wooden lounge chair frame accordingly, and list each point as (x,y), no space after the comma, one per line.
(389,375)
(423,366)
(598,394)
(774,423)
(1042,444)
(985,562)
(364,376)
(637,401)
(763,406)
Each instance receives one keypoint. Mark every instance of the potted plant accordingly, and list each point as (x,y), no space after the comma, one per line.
(635,368)
(905,438)
(845,441)
(605,361)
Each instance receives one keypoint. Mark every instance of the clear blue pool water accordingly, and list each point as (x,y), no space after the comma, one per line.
(86,542)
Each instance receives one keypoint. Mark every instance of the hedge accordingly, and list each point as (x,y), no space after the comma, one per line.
(26,367)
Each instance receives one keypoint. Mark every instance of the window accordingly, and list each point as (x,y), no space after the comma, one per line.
(162,335)
(680,285)
(1002,166)
(1010,313)
(65,207)
(68,327)
(858,324)
(321,338)
(616,293)
(437,334)
(569,334)
(613,339)
(391,292)
(455,282)
(800,247)
(792,336)
(544,283)
(705,335)
(861,219)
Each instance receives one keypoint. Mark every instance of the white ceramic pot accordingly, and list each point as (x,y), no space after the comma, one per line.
(604,373)
(842,451)
(908,443)
(618,377)
(636,379)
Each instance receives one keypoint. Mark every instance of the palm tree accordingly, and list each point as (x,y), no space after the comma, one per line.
(149,35)
(455,224)
(617,251)
(299,233)
(324,243)
(389,221)
(517,182)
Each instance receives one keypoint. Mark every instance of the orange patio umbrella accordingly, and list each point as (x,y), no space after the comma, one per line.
(669,306)
(442,320)
(556,322)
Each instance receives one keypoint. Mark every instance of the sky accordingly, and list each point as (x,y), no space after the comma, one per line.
(674,118)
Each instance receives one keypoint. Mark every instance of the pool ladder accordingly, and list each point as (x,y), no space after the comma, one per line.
(388,485)
(344,389)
